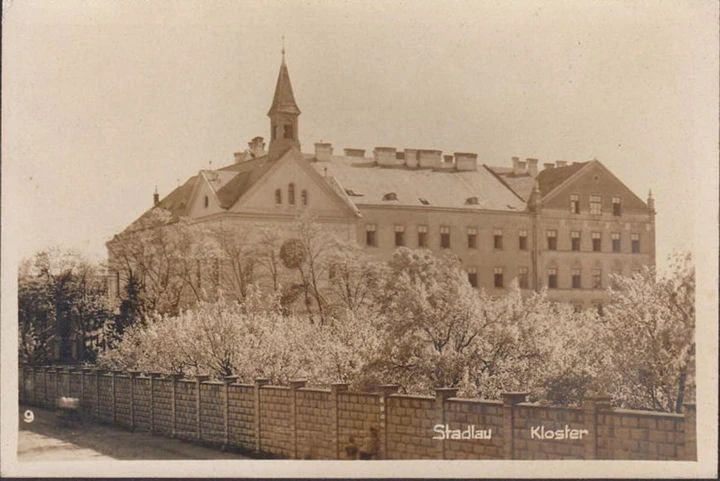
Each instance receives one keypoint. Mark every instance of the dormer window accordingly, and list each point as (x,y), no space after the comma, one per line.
(390,196)
(291,193)
(471,201)
(278,196)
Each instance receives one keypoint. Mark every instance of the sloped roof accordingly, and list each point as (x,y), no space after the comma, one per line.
(368,184)
(245,174)
(521,184)
(549,179)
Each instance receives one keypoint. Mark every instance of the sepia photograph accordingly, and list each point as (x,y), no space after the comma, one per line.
(360,238)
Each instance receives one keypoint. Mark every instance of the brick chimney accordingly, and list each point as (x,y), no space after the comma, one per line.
(256,147)
(354,152)
(561,163)
(548,165)
(519,166)
(532,166)
(323,151)
(465,161)
(385,156)
(412,157)
(430,158)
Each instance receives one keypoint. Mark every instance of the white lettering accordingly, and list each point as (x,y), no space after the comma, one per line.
(539,432)
(443,431)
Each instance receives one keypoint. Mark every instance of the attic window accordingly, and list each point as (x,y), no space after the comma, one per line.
(207,201)
(471,201)
(390,196)
(352,193)
(424,201)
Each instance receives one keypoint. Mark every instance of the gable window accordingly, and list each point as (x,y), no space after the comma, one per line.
(596,241)
(498,277)
(574,204)
(278,196)
(370,237)
(291,193)
(472,238)
(498,239)
(522,240)
(523,278)
(552,278)
(552,240)
(472,276)
(399,235)
(596,204)
(615,236)
(617,206)
(597,278)
(445,237)
(207,201)
(288,131)
(575,240)
(576,278)
(422,236)
(635,243)
(304,197)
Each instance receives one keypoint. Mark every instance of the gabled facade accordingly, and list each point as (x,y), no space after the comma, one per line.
(566,227)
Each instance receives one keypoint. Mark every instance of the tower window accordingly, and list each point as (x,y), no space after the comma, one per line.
(498,277)
(523,278)
(472,276)
(399,235)
(304,197)
(291,193)
(445,237)
(596,204)
(617,206)
(552,240)
(273,133)
(576,279)
(596,242)
(615,236)
(422,236)
(575,240)
(288,131)
(278,196)
(498,239)
(472,238)
(370,238)
(635,243)
(574,204)
(552,278)
(522,240)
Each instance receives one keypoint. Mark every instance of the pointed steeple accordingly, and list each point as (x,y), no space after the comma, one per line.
(283,114)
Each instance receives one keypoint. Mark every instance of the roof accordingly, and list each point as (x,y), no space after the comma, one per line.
(549,179)
(365,183)
(284,100)
(521,184)
(244,176)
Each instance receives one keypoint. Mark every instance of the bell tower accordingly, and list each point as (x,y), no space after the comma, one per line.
(283,115)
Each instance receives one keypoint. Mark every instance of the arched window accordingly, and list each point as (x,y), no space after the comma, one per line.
(304,197)
(207,201)
(278,196)
(288,131)
(291,193)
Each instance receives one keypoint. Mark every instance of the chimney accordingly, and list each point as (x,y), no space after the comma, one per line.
(532,166)
(430,159)
(561,163)
(519,166)
(412,157)
(240,157)
(323,151)
(385,156)
(354,152)
(256,147)
(156,198)
(447,162)
(548,165)
(465,161)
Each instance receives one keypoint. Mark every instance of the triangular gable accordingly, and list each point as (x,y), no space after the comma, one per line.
(293,168)
(204,200)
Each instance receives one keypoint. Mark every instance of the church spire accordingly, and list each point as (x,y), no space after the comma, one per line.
(283,114)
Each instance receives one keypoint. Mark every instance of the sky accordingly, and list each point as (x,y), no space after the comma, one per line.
(103,101)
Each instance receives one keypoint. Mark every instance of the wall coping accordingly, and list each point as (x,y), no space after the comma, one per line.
(276,388)
(476,401)
(314,389)
(632,412)
(412,396)
(550,407)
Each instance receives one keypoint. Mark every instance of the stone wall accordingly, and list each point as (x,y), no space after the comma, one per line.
(297,422)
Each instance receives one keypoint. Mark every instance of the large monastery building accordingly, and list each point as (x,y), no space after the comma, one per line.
(564,226)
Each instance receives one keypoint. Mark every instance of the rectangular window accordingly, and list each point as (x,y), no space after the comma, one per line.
(498,239)
(617,206)
(596,204)
(574,204)
(399,235)
(576,279)
(288,131)
(523,278)
(422,236)
(472,276)
(552,278)
(575,240)
(522,240)
(370,235)
(596,242)
(552,240)
(498,277)
(444,237)
(615,236)
(472,238)
(597,279)
(635,241)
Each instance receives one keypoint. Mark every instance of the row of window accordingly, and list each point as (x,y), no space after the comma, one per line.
(552,278)
(304,196)
(287,132)
(472,239)
(595,204)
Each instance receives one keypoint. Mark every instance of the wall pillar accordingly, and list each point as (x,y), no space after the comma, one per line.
(441,395)
(133,375)
(386,390)
(690,449)
(198,426)
(591,406)
(294,386)
(97,393)
(510,399)
(228,380)
(83,373)
(114,395)
(153,376)
(173,404)
(259,383)
(335,390)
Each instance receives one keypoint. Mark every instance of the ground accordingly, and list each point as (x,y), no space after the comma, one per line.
(47,439)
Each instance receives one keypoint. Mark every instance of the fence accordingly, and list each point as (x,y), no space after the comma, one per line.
(297,422)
